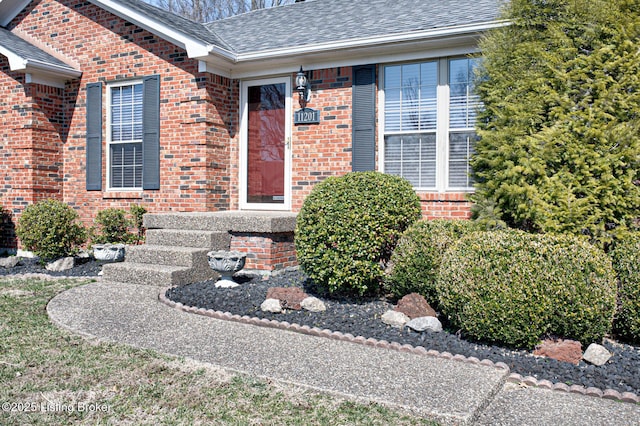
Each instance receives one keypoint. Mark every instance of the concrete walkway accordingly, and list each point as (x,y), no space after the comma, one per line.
(449,391)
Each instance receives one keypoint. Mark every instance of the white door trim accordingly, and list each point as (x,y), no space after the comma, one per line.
(243,166)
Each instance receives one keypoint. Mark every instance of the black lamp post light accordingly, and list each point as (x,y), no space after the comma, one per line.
(303,87)
(304,115)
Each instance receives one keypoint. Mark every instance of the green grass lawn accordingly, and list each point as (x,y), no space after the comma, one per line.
(49,376)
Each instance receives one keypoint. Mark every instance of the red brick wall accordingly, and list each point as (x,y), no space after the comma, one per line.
(199,121)
(30,145)
(324,149)
(197,109)
(450,205)
(266,252)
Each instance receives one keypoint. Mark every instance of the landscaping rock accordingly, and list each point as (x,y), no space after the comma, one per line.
(289,297)
(271,305)
(561,350)
(425,323)
(63,264)
(596,354)
(313,304)
(226,284)
(415,305)
(395,319)
(9,262)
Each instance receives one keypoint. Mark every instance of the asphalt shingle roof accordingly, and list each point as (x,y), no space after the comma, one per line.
(28,51)
(328,21)
(307,23)
(176,22)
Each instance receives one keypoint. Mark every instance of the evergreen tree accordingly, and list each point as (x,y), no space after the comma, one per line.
(560,128)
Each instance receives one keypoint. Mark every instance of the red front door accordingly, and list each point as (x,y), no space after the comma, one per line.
(266,139)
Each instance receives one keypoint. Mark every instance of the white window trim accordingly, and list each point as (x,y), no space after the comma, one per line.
(243,154)
(442,126)
(110,86)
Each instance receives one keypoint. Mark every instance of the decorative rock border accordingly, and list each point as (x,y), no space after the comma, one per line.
(418,350)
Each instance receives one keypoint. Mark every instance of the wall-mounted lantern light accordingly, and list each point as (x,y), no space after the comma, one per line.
(303,88)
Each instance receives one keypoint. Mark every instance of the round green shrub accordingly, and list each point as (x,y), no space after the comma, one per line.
(625,262)
(113,226)
(50,229)
(416,259)
(347,229)
(513,288)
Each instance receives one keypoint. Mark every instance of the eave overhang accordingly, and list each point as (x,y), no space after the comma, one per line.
(38,71)
(395,47)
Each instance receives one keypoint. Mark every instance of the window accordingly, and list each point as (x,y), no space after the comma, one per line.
(429,119)
(132,131)
(125,136)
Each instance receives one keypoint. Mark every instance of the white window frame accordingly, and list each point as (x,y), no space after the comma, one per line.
(442,127)
(110,142)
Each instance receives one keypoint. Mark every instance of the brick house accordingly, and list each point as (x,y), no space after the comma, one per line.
(105,103)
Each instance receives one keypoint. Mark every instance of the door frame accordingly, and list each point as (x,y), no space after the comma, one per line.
(244,145)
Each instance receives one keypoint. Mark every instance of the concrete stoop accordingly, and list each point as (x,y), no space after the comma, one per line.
(176,247)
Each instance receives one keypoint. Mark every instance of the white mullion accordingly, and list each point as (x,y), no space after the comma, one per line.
(442,126)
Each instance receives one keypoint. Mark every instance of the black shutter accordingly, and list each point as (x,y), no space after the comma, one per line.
(94,137)
(363,155)
(151,133)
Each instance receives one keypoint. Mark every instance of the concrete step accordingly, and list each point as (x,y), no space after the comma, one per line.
(168,255)
(226,221)
(185,238)
(158,275)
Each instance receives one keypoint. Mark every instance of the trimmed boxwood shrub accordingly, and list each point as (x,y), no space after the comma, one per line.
(50,229)
(113,226)
(348,226)
(625,262)
(513,288)
(416,259)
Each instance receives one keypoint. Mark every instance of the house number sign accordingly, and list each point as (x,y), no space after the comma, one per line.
(306,116)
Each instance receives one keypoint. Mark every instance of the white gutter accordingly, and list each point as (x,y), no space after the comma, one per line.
(19,63)
(39,71)
(372,41)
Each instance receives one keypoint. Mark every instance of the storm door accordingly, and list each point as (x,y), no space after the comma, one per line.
(265,157)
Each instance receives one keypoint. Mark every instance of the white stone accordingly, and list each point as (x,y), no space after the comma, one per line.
(596,354)
(9,262)
(271,305)
(395,319)
(313,304)
(63,264)
(226,284)
(425,323)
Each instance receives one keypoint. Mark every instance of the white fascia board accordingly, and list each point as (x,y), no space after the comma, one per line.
(450,41)
(374,41)
(40,72)
(195,48)
(16,62)
(389,53)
